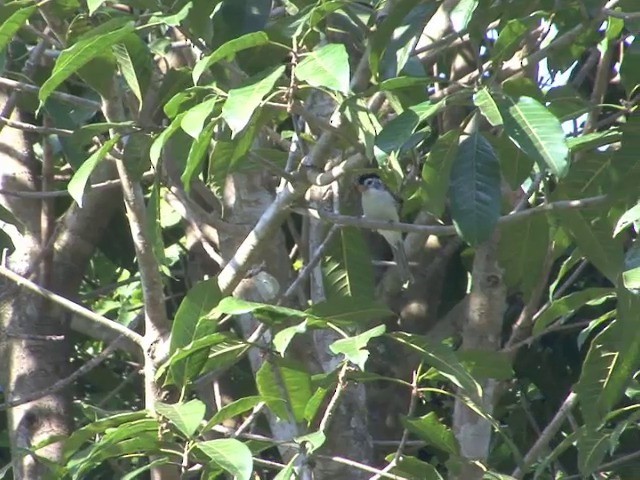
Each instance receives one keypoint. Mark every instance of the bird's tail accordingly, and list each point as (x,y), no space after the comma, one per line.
(402,262)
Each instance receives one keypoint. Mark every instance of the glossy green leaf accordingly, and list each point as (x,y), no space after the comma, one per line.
(230,454)
(611,362)
(475,189)
(243,101)
(593,446)
(591,231)
(398,131)
(231,410)
(311,441)
(78,55)
(94,5)
(630,67)
(354,348)
(522,251)
(228,51)
(238,306)
(628,218)
(185,416)
(487,364)
(487,105)
(515,165)
(194,119)
(537,133)
(434,432)
(570,304)
(462,13)
(283,338)
(190,324)
(444,360)
(280,379)
(411,467)
(436,171)
(328,67)
(128,70)
(593,140)
(158,144)
(78,183)
(510,38)
(197,154)
(631,271)
(11,25)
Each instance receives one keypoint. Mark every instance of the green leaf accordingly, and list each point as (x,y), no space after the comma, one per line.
(350,310)
(435,433)
(592,448)
(511,36)
(487,105)
(399,130)
(79,54)
(475,189)
(12,24)
(197,153)
(347,270)
(311,441)
(462,13)
(631,272)
(436,171)
(231,410)
(185,416)
(444,360)
(282,381)
(537,133)
(238,306)
(128,71)
(243,101)
(145,468)
(93,5)
(328,66)
(611,362)
(515,166)
(593,140)
(521,252)
(630,67)
(591,231)
(287,472)
(190,324)
(354,348)
(282,339)
(78,182)
(487,364)
(411,467)
(231,455)
(228,51)
(158,144)
(193,120)
(570,304)
(629,217)
(224,350)
(172,20)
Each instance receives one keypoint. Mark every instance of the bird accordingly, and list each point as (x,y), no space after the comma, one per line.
(378,203)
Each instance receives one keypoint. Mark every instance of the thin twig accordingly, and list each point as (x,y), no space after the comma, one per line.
(313,261)
(30,128)
(413,403)
(549,432)
(361,466)
(447,230)
(333,403)
(63,97)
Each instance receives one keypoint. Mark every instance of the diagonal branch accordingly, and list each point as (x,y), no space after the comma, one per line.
(71,306)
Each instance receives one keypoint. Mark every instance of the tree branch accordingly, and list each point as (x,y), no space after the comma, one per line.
(71,306)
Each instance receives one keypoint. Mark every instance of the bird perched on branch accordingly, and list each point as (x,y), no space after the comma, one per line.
(378,203)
